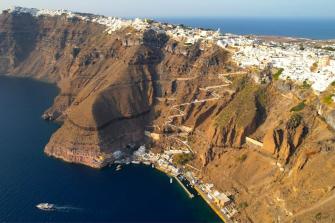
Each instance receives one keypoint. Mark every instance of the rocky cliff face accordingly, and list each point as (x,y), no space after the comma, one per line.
(107,83)
(114,86)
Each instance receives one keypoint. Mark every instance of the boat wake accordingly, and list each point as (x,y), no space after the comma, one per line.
(67,208)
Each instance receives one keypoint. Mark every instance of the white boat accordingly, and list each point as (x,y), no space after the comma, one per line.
(46,206)
(171,180)
(118,168)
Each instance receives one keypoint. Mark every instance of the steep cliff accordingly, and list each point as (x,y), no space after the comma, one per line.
(108,83)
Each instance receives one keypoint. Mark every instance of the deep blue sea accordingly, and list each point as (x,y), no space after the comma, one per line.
(304,28)
(82,194)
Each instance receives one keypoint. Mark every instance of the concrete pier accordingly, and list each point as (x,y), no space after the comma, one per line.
(183,186)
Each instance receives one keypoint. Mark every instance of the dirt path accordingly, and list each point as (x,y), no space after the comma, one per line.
(313,207)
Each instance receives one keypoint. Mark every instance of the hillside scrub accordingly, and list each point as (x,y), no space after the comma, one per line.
(298,107)
(243,107)
(278,73)
(182,159)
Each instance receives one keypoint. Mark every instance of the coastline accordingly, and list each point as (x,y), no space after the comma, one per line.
(224,219)
(215,209)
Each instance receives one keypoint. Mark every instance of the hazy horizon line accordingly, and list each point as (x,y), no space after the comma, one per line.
(192,17)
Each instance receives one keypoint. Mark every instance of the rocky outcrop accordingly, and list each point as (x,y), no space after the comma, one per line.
(281,142)
(273,140)
(330,118)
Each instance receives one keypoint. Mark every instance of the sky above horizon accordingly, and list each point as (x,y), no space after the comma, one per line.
(189,8)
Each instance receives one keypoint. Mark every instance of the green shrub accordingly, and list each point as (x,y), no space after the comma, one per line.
(182,159)
(149,21)
(242,158)
(298,107)
(329,48)
(318,216)
(305,85)
(333,83)
(278,73)
(243,205)
(302,47)
(328,99)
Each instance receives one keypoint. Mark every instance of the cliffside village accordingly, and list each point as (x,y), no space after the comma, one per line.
(300,59)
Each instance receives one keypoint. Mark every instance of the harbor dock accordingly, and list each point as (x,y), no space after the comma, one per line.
(183,186)
(224,218)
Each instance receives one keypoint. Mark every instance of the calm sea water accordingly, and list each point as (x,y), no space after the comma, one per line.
(305,28)
(28,177)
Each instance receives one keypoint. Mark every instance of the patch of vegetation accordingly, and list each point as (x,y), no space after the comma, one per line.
(298,107)
(239,82)
(294,121)
(57,55)
(242,158)
(333,84)
(328,99)
(318,216)
(306,85)
(243,205)
(328,48)
(149,21)
(242,108)
(182,159)
(75,52)
(302,46)
(278,73)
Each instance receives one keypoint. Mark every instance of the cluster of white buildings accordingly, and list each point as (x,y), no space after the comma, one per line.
(112,23)
(177,32)
(300,63)
(296,63)
(191,35)
(162,160)
(41,12)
